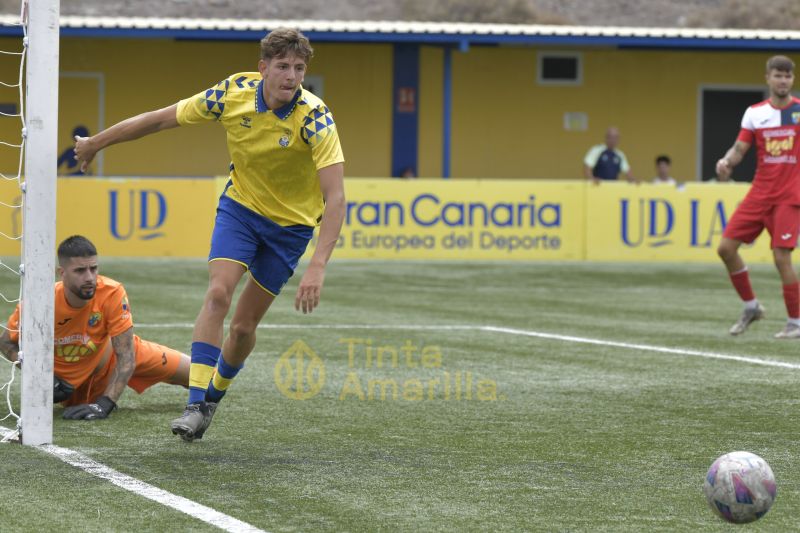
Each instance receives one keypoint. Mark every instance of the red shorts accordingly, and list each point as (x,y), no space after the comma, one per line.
(751,218)
(154,364)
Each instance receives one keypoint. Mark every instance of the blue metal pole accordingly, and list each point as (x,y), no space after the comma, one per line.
(447,106)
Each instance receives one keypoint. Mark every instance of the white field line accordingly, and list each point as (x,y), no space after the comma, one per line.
(185,325)
(179,503)
(512,331)
(645,347)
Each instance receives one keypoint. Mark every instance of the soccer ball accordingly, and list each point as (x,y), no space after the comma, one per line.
(740,487)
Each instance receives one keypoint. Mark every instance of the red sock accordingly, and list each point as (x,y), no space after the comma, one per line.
(791,297)
(741,282)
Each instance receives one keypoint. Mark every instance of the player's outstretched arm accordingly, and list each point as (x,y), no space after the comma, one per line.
(331,182)
(8,348)
(127,130)
(732,157)
(102,407)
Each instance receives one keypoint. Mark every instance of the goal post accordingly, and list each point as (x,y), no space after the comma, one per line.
(39,222)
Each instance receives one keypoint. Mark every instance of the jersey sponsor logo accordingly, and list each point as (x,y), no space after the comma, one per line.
(64,321)
(126,309)
(776,146)
(71,339)
(785,132)
(786,236)
(73,352)
(781,160)
(95,319)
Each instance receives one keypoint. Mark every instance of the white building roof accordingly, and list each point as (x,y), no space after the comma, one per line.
(430,32)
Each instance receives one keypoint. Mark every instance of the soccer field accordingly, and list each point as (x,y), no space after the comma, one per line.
(507,397)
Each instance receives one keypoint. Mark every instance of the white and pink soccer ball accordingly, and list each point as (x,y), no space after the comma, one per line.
(740,487)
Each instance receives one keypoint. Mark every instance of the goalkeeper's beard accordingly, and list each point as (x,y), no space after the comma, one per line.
(86,293)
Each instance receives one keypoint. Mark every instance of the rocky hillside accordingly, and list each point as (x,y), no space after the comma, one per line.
(777,14)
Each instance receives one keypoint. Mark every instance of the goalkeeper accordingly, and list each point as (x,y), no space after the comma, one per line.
(96,352)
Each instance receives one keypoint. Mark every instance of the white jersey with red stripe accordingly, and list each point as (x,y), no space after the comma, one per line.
(775,132)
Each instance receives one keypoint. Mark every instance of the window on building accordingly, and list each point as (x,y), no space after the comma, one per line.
(559,68)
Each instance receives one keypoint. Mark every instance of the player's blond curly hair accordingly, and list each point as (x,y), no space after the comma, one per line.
(284,41)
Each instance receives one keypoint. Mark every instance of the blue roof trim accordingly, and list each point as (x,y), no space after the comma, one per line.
(462,41)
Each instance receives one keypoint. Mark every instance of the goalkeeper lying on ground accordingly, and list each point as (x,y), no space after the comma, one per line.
(96,352)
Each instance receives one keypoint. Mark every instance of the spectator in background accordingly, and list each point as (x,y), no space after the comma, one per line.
(663,171)
(606,161)
(67,165)
(408,173)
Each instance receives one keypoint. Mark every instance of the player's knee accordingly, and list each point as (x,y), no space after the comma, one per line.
(782,257)
(241,329)
(218,299)
(725,251)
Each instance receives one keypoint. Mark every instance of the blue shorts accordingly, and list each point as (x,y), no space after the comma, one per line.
(269,251)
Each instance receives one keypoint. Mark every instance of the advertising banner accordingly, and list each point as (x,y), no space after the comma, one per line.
(663,223)
(463,219)
(128,217)
(415,219)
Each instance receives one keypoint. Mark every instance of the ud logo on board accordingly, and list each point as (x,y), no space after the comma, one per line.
(708,221)
(646,222)
(137,213)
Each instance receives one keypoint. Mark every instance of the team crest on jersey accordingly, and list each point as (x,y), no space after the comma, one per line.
(284,141)
(95,319)
(796,117)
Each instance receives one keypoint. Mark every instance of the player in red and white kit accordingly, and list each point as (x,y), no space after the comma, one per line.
(773,201)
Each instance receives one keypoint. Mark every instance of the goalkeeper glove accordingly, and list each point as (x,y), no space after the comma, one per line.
(101,408)
(62,390)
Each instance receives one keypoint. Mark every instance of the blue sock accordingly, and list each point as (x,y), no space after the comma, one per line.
(221,381)
(204,359)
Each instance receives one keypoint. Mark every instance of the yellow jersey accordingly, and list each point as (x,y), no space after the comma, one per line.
(275,153)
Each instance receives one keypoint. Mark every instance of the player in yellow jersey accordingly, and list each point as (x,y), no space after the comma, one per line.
(96,353)
(286,176)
